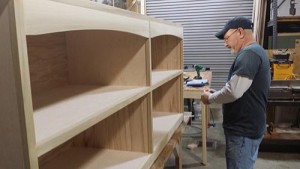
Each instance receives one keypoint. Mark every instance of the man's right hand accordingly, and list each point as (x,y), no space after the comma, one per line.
(205,96)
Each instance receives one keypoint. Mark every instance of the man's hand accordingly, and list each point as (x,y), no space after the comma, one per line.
(205,95)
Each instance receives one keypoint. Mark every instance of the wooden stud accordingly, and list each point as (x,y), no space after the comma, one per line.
(296,58)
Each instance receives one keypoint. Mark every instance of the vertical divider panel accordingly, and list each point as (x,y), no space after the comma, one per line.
(166,55)
(181,77)
(148,76)
(148,62)
(166,65)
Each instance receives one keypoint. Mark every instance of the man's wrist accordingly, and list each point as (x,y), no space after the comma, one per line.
(210,99)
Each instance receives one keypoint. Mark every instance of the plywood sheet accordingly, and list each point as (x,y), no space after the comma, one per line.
(107,57)
(48,61)
(166,52)
(125,130)
(167,98)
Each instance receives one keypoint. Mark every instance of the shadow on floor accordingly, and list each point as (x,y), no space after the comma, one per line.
(192,158)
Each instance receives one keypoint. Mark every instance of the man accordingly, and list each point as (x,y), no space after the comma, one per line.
(244,97)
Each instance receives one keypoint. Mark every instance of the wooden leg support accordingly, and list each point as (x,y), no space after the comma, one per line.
(204,132)
(177,154)
(173,146)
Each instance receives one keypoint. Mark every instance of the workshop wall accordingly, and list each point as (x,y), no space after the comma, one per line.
(201,20)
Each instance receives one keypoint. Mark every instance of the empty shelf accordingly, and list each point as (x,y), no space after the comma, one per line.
(164,126)
(161,77)
(64,112)
(92,158)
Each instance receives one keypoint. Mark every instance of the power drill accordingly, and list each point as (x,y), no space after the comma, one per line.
(198,68)
(292,7)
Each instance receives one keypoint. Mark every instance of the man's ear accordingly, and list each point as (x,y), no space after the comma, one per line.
(241,33)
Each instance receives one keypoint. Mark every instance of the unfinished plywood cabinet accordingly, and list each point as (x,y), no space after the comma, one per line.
(84,85)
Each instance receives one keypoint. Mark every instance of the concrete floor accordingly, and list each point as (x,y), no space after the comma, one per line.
(216,148)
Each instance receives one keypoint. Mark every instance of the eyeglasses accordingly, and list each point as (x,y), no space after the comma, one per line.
(226,39)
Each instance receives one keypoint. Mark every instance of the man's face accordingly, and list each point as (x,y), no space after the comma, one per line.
(231,40)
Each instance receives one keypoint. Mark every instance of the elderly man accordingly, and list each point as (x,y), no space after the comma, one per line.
(244,96)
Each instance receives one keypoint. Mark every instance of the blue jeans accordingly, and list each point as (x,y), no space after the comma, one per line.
(241,152)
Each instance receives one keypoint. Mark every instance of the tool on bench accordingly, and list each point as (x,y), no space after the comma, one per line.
(197,80)
(198,68)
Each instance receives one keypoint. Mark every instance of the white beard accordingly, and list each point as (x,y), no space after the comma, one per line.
(233,52)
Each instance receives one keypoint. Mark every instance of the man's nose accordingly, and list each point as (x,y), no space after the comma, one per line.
(225,44)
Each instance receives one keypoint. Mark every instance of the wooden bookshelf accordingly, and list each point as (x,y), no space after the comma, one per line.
(95,85)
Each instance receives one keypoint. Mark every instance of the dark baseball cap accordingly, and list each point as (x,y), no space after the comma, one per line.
(237,22)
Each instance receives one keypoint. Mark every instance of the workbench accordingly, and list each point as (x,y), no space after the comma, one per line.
(284,94)
(195,93)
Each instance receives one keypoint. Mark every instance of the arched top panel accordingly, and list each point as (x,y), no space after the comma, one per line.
(159,27)
(48,16)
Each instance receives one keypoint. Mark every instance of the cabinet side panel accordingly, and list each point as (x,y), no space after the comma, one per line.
(166,52)
(167,97)
(47,61)
(14,145)
(107,57)
(126,130)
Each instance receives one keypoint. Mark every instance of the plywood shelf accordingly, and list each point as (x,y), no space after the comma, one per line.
(62,113)
(288,19)
(282,136)
(161,77)
(164,125)
(92,158)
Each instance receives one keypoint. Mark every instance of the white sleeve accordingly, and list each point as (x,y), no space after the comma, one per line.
(234,89)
